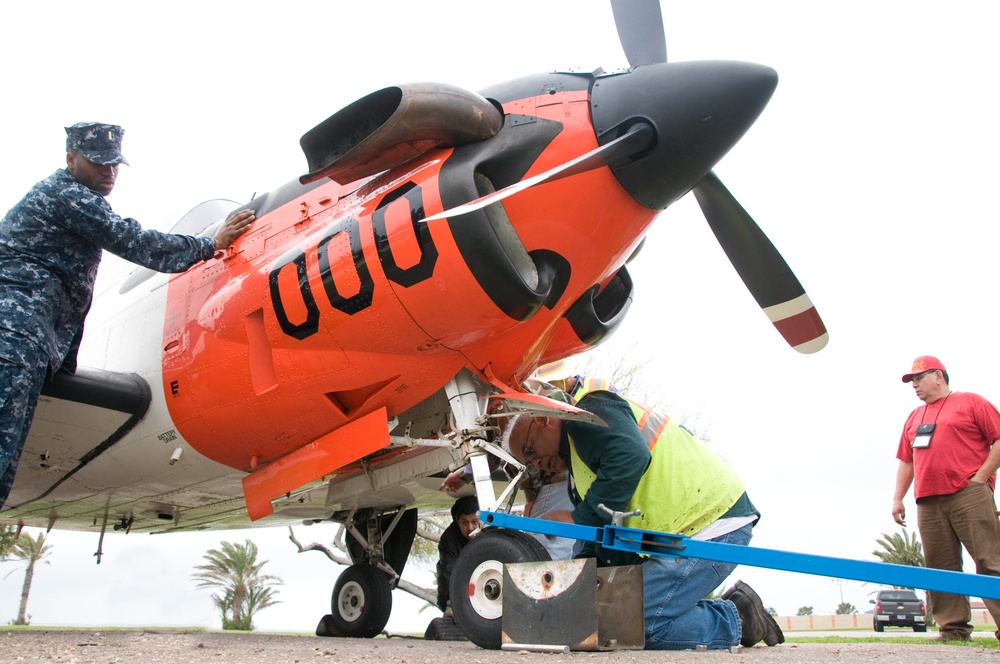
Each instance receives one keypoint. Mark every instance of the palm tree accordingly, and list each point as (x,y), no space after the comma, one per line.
(259,598)
(900,549)
(903,549)
(32,550)
(236,572)
(8,536)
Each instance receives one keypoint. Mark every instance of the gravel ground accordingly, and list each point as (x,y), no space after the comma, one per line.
(152,647)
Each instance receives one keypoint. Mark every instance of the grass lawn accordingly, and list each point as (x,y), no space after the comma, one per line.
(983,642)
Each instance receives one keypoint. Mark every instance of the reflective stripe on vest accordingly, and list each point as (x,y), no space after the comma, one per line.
(686,486)
(587,385)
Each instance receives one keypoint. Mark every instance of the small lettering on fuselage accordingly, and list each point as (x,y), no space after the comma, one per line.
(168,436)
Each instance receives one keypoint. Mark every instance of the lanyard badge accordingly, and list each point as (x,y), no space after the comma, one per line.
(923,437)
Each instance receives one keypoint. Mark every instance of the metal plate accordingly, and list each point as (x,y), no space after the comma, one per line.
(573,603)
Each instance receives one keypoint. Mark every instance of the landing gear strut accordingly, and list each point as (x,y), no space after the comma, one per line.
(378,544)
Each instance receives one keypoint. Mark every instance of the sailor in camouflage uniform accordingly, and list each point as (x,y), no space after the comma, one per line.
(50,248)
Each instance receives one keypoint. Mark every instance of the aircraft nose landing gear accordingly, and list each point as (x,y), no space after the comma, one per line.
(477,582)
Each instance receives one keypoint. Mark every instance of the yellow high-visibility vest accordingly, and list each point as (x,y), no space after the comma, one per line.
(686,486)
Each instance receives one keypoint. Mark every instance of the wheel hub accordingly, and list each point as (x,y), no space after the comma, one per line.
(351,601)
(486,589)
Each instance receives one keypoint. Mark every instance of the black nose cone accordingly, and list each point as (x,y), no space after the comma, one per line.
(699,111)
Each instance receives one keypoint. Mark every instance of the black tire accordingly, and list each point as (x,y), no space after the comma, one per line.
(477,581)
(879,627)
(920,628)
(444,629)
(362,602)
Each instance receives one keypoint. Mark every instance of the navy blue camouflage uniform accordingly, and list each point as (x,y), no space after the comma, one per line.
(50,248)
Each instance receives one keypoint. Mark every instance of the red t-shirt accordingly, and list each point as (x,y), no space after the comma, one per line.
(966,425)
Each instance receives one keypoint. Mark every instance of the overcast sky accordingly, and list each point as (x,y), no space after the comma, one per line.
(872,170)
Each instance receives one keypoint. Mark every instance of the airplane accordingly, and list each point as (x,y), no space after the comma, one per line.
(343,355)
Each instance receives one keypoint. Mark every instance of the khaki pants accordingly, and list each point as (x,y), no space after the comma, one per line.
(947,523)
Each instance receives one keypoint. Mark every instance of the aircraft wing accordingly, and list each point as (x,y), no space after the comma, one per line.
(90,451)
(78,417)
(94,448)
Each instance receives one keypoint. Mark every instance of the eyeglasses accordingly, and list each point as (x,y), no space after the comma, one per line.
(920,376)
(528,449)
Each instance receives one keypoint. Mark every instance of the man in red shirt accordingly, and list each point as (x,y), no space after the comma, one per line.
(947,453)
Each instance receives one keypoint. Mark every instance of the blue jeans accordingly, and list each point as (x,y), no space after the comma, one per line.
(677,615)
(552,497)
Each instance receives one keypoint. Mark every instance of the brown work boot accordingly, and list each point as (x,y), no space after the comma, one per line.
(953,637)
(756,624)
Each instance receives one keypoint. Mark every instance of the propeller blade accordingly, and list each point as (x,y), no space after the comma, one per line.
(640,30)
(763,270)
(638,138)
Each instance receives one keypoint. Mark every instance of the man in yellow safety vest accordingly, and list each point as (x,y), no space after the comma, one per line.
(644,460)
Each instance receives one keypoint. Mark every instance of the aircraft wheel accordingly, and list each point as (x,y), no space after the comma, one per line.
(477,581)
(362,601)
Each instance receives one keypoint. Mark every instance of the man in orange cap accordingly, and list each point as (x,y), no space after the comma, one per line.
(947,452)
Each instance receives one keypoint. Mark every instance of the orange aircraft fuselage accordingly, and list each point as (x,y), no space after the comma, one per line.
(343,300)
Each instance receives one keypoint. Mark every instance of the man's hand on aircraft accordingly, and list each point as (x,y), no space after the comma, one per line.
(453,482)
(236,224)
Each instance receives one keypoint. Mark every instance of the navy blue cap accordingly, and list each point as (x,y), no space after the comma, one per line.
(99,143)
